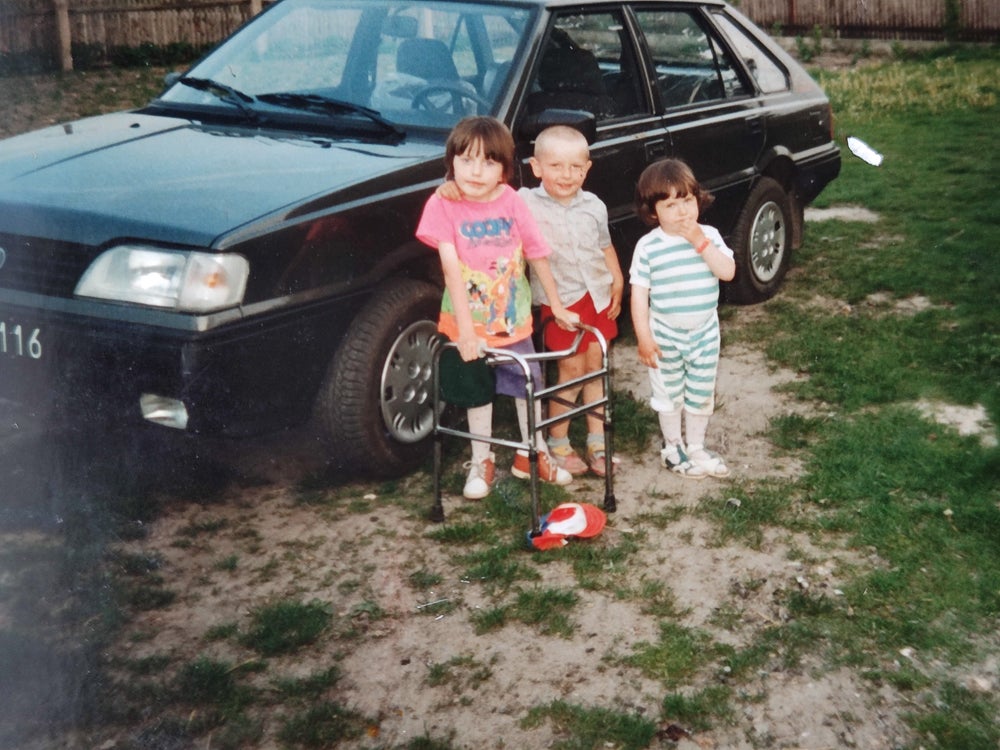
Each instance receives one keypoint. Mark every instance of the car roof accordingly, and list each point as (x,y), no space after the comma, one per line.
(595,3)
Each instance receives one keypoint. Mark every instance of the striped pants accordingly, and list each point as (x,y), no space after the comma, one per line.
(689,364)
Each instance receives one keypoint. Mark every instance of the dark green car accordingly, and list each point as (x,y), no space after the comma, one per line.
(240,254)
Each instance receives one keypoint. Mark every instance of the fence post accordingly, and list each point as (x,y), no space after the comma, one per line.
(63,35)
(255,7)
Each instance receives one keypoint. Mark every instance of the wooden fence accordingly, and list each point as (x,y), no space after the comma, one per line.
(961,20)
(49,30)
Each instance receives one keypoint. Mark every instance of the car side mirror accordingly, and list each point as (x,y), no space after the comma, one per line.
(578,119)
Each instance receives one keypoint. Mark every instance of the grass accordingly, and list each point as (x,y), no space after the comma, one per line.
(286,626)
(916,503)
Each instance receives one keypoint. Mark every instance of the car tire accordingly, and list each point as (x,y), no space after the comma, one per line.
(375,407)
(761,244)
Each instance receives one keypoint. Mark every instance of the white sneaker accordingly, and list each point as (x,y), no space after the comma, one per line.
(709,462)
(480,479)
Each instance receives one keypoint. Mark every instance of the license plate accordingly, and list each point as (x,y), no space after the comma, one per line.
(17,340)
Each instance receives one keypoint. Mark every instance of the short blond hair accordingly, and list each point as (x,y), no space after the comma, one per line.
(563,133)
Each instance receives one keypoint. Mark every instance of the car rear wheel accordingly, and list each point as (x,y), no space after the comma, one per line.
(375,407)
(761,243)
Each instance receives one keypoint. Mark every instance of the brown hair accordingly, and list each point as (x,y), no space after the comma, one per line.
(663,179)
(487,132)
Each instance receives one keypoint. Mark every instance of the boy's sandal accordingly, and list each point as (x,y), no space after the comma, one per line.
(597,460)
(568,459)
(680,464)
(708,461)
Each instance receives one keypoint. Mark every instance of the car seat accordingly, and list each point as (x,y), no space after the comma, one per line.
(569,77)
(426,58)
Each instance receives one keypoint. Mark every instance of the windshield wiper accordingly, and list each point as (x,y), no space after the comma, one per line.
(329,106)
(224,93)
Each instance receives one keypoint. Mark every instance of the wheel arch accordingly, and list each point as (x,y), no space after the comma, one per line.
(780,167)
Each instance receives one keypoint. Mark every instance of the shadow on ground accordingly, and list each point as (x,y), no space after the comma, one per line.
(66,496)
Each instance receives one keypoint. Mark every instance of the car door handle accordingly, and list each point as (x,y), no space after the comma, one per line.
(656,150)
(755,124)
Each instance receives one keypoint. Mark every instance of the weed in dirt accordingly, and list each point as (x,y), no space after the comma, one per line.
(208,681)
(149,665)
(599,566)
(748,511)
(498,568)
(459,674)
(222,632)
(658,600)
(286,626)
(227,564)
(547,610)
(580,727)
(313,686)
(676,657)
(424,579)
(323,725)
(699,710)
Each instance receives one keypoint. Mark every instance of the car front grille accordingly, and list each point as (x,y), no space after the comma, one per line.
(42,266)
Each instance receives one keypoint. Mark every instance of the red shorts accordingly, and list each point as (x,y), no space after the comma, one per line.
(556,338)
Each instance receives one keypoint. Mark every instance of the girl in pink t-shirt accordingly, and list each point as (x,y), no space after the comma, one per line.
(484,241)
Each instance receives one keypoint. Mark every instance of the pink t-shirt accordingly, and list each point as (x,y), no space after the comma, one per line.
(493,240)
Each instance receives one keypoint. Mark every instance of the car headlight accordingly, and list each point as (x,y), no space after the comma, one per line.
(180,280)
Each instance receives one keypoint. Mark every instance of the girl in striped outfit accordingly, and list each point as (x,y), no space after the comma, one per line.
(675,278)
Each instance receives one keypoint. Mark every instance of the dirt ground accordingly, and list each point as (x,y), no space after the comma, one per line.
(288,549)
(385,674)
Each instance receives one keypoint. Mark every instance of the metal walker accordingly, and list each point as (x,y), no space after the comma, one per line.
(601,406)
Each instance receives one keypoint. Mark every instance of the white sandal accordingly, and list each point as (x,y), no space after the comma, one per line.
(709,462)
(673,457)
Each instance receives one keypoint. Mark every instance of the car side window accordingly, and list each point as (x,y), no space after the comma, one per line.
(770,77)
(588,63)
(690,66)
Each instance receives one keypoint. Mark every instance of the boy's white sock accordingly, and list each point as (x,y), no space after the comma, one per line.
(521,404)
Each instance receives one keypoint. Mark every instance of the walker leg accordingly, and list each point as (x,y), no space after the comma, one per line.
(610,504)
(437,510)
(535,506)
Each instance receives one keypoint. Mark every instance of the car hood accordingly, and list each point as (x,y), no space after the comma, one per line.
(134,175)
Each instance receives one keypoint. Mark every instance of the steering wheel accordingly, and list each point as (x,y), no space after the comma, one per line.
(458,91)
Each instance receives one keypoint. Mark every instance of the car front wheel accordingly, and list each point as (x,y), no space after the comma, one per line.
(375,407)
(761,244)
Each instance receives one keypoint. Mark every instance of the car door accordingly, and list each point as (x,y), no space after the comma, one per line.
(588,62)
(709,110)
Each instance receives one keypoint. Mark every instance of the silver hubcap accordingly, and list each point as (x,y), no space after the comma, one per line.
(767,242)
(407,400)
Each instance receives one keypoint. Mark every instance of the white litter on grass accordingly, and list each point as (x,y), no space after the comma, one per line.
(843,213)
(863,151)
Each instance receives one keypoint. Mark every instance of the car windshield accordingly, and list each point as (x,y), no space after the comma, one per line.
(406,63)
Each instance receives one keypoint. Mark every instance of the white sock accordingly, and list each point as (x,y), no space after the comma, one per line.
(696,427)
(521,404)
(670,426)
(480,423)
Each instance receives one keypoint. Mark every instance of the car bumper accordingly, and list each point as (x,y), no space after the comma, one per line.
(815,170)
(249,375)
